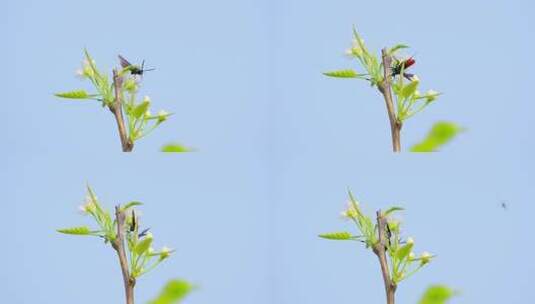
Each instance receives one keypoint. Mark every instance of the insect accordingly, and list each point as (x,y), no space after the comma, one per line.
(133,226)
(388,236)
(134,69)
(504,205)
(403,65)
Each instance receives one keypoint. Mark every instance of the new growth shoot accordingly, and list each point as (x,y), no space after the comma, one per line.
(132,244)
(383,237)
(120,95)
(388,73)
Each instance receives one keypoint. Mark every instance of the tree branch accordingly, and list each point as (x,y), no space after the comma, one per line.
(385,87)
(117,110)
(118,245)
(380,250)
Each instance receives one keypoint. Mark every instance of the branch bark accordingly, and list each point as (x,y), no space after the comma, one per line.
(117,110)
(380,250)
(118,245)
(385,87)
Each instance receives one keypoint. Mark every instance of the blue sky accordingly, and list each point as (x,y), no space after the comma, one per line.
(278,146)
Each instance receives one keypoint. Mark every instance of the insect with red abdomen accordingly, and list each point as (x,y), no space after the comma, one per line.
(403,65)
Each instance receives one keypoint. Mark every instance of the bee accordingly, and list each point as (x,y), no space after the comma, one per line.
(134,69)
(403,65)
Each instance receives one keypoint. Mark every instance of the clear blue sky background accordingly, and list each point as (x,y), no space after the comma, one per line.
(278,144)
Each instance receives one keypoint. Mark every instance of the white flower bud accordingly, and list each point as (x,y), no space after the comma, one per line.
(425,257)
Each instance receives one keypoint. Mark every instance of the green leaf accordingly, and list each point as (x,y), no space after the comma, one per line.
(440,134)
(396,48)
(81,230)
(339,236)
(393,209)
(360,41)
(409,89)
(141,109)
(77,94)
(353,201)
(437,294)
(131,204)
(173,292)
(173,147)
(342,74)
(404,251)
(143,245)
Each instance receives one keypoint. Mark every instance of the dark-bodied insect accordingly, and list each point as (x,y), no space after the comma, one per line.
(388,235)
(133,225)
(403,65)
(504,205)
(134,69)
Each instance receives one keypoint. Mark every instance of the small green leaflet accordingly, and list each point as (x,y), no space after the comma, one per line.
(81,230)
(131,204)
(408,90)
(404,251)
(437,294)
(77,94)
(173,292)
(393,209)
(339,236)
(396,48)
(143,245)
(173,147)
(141,109)
(440,134)
(342,74)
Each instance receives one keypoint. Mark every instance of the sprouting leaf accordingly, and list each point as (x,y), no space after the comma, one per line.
(393,209)
(360,42)
(339,236)
(141,109)
(81,230)
(437,294)
(342,74)
(143,245)
(353,201)
(77,94)
(174,147)
(404,251)
(131,204)
(440,134)
(409,89)
(396,48)
(173,292)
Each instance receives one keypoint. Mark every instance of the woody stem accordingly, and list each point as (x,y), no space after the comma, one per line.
(117,110)
(118,244)
(380,250)
(385,87)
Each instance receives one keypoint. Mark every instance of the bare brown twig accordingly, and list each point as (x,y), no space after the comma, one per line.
(380,250)
(385,87)
(117,110)
(118,245)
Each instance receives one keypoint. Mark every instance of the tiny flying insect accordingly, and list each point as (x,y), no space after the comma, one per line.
(403,65)
(134,69)
(504,205)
